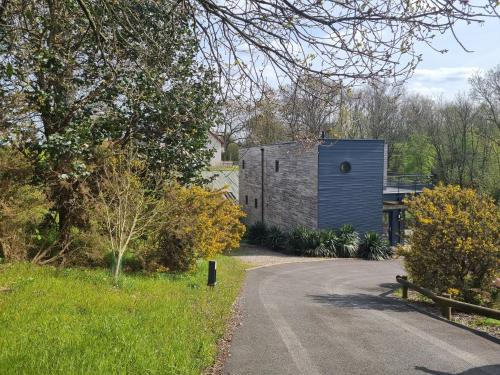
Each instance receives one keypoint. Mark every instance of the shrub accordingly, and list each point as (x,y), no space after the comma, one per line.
(257,233)
(348,241)
(22,206)
(303,240)
(130,262)
(276,239)
(374,247)
(196,223)
(455,241)
(329,243)
(318,252)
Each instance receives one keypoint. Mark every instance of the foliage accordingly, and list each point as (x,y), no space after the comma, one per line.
(329,243)
(265,126)
(318,252)
(303,240)
(195,223)
(455,241)
(231,153)
(374,247)
(276,239)
(257,233)
(124,206)
(348,241)
(151,325)
(67,87)
(131,262)
(22,206)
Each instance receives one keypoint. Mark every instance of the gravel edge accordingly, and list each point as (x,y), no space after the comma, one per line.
(460,319)
(224,344)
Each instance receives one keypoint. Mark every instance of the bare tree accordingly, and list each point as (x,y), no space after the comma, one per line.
(234,117)
(123,205)
(486,88)
(246,41)
(265,125)
(310,107)
(340,40)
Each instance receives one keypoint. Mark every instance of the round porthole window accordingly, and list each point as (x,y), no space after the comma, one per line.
(345,167)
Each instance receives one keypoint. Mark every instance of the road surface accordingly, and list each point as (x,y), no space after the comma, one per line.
(335,317)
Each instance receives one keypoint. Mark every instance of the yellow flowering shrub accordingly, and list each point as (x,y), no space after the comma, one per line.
(196,223)
(455,244)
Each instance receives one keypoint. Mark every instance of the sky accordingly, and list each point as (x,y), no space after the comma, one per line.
(446,75)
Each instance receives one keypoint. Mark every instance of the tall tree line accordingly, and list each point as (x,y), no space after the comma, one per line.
(457,141)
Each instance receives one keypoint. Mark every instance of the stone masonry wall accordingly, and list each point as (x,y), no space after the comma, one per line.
(290,194)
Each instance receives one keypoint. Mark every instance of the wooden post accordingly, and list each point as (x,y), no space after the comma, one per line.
(446,309)
(405,288)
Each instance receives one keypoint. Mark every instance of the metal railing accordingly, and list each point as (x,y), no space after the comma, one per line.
(405,182)
(445,302)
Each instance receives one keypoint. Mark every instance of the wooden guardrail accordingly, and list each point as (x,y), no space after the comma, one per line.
(445,302)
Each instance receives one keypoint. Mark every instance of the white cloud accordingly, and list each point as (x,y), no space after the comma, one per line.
(441,81)
(445,74)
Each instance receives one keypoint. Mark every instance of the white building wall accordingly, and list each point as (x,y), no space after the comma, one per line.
(214,144)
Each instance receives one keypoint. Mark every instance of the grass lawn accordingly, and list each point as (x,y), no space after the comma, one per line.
(72,321)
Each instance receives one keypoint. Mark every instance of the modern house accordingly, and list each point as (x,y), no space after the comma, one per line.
(323,185)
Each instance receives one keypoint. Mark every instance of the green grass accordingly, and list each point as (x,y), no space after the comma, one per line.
(73,321)
(490,322)
(216,168)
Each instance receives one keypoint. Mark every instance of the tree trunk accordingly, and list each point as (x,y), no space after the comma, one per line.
(118,266)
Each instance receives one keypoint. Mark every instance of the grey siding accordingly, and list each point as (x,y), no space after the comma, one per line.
(250,183)
(290,195)
(355,197)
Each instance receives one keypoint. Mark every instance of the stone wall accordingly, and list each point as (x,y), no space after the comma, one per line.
(290,194)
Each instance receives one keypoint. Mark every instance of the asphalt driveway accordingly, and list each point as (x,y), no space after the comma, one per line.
(334,317)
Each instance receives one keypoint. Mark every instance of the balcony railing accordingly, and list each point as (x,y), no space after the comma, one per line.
(405,183)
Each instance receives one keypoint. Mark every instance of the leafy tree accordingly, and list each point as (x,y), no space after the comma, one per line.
(75,73)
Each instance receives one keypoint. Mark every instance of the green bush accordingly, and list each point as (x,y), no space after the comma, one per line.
(172,252)
(329,243)
(348,242)
(374,247)
(303,240)
(276,239)
(22,206)
(130,262)
(318,252)
(257,233)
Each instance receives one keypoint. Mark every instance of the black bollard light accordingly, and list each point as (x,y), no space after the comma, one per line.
(212,273)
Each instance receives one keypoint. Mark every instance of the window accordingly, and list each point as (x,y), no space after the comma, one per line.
(246,199)
(345,167)
(243,164)
(277,165)
(255,203)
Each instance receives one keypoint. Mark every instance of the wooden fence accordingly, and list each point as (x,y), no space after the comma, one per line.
(446,303)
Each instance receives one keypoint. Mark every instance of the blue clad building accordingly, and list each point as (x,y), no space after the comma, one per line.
(323,185)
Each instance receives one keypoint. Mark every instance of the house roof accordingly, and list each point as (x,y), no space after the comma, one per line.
(216,136)
(319,141)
